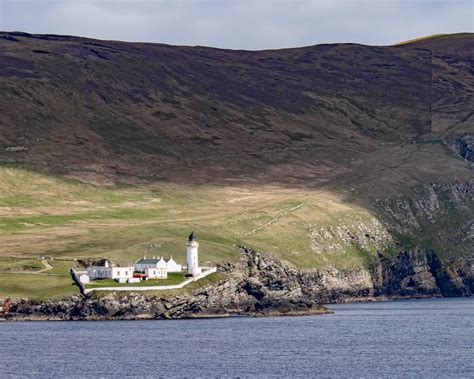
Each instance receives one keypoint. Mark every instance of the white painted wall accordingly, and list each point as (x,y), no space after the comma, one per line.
(156,273)
(99,272)
(103,272)
(172,266)
(141,267)
(193,258)
(84,279)
(122,272)
(206,271)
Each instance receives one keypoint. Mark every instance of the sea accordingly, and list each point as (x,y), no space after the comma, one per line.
(428,338)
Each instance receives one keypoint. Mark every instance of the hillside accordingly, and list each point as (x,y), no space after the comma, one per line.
(120,111)
(324,156)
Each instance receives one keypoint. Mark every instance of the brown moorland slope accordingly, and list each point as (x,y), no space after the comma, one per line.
(112,111)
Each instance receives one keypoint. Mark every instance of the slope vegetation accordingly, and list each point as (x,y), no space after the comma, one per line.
(323,156)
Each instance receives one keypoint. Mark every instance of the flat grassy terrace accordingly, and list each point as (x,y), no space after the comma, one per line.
(186,290)
(173,278)
(39,287)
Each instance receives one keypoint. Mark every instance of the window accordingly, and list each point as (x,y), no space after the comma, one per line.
(118,273)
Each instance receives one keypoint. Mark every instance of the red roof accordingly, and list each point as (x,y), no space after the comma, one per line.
(137,275)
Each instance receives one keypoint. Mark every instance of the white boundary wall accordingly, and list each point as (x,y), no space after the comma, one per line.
(206,271)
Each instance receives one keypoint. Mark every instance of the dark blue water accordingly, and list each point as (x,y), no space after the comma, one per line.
(415,338)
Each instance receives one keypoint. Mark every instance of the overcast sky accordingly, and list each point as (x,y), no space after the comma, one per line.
(240,24)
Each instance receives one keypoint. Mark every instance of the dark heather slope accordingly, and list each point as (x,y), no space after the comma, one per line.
(107,110)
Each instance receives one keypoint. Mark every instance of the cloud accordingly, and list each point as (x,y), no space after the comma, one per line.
(240,24)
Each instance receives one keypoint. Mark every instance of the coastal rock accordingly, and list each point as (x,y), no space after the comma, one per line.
(262,285)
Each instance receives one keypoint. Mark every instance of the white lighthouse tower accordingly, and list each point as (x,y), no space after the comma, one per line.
(192,255)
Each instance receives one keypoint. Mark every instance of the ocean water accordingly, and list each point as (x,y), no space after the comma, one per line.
(412,338)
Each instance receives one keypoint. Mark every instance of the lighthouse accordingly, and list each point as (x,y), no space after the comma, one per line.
(192,255)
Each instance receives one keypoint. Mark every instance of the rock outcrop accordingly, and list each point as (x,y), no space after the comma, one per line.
(262,285)
(463,145)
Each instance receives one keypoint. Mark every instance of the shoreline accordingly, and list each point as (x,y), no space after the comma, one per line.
(197,317)
(260,285)
(323,309)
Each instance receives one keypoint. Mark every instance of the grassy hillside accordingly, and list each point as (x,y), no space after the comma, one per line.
(67,220)
(317,155)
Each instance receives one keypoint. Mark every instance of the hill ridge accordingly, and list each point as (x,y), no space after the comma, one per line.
(60,37)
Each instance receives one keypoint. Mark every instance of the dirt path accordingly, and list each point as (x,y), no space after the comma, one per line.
(46,265)
(275,219)
(44,262)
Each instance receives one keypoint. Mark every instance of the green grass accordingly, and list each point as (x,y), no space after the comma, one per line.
(14,265)
(173,278)
(210,279)
(68,220)
(39,287)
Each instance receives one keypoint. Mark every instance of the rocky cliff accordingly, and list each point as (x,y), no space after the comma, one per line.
(262,285)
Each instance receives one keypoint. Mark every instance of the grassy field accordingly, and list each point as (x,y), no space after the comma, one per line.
(38,286)
(66,220)
(212,278)
(173,278)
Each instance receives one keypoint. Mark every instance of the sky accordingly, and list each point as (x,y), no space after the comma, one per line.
(241,24)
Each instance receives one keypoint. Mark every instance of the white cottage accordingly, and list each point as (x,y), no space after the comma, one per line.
(122,272)
(159,263)
(156,273)
(143,263)
(172,266)
(108,271)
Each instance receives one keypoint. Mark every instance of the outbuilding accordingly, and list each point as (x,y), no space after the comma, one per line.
(156,273)
(172,266)
(84,279)
(109,271)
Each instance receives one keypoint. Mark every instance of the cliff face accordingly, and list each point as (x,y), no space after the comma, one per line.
(262,285)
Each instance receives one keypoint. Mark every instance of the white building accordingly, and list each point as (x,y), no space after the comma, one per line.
(122,272)
(156,273)
(84,279)
(143,263)
(192,255)
(172,266)
(159,263)
(107,271)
